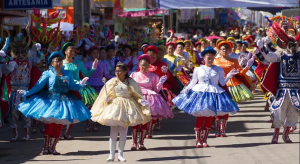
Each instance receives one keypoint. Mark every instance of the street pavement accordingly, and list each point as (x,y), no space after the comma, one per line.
(248,142)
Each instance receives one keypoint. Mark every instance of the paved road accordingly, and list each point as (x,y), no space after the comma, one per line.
(248,142)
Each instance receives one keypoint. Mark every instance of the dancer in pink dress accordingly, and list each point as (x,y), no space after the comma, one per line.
(151,85)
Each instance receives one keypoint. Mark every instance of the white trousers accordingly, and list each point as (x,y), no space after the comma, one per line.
(118,130)
(286,115)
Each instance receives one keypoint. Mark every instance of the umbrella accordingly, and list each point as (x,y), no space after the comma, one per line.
(213,37)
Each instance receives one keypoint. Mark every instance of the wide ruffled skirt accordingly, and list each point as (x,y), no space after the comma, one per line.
(89,95)
(240,93)
(159,108)
(205,104)
(54,107)
(121,112)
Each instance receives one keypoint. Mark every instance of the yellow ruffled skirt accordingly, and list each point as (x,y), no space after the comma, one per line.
(122,112)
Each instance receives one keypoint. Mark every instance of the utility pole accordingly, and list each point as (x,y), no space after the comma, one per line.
(82,12)
(78,13)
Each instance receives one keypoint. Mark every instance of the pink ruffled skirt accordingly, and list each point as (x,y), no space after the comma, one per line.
(159,108)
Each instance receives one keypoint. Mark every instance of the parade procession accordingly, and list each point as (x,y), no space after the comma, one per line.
(149,81)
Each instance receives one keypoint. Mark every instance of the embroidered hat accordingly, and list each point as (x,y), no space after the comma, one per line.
(208,50)
(145,56)
(54,55)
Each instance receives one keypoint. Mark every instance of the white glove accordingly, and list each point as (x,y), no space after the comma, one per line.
(179,68)
(38,46)
(191,65)
(163,79)
(267,40)
(83,81)
(2,53)
(164,69)
(95,64)
(256,51)
(185,91)
(22,92)
(144,102)
(250,63)
(107,99)
(260,44)
(12,65)
(232,72)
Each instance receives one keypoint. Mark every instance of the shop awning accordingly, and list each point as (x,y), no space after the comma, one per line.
(272,10)
(189,4)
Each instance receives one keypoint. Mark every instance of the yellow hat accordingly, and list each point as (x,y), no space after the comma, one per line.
(203,39)
(231,39)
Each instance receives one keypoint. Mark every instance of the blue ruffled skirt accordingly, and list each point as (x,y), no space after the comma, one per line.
(205,103)
(54,107)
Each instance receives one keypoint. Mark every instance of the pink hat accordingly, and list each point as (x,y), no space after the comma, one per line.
(145,56)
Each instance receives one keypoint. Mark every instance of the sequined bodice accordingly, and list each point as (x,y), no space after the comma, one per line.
(289,76)
(21,74)
(60,85)
(122,90)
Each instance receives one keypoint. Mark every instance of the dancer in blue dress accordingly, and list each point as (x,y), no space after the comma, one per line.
(204,98)
(56,106)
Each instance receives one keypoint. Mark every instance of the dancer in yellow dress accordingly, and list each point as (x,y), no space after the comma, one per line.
(120,104)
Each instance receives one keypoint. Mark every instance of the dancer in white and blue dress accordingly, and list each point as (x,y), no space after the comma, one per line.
(204,98)
(56,106)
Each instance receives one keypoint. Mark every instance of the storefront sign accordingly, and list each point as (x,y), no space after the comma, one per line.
(62,13)
(27,4)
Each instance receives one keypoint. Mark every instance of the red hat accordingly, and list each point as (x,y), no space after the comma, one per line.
(197,43)
(151,48)
(93,48)
(145,56)
(171,43)
(250,39)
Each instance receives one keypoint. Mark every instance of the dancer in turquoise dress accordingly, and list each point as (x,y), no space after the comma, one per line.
(88,93)
(56,106)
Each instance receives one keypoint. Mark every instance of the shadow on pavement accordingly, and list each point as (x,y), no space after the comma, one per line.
(172,158)
(86,153)
(243,145)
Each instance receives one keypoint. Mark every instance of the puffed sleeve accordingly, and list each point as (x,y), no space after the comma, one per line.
(222,79)
(73,84)
(194,80)
(40,84)
(106,91)
(136,90)
(156,86)
(83,70)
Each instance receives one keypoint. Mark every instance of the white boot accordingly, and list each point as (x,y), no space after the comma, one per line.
(120,152)
(112,150)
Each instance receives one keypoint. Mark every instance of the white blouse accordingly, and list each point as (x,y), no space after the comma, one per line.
(206,79)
